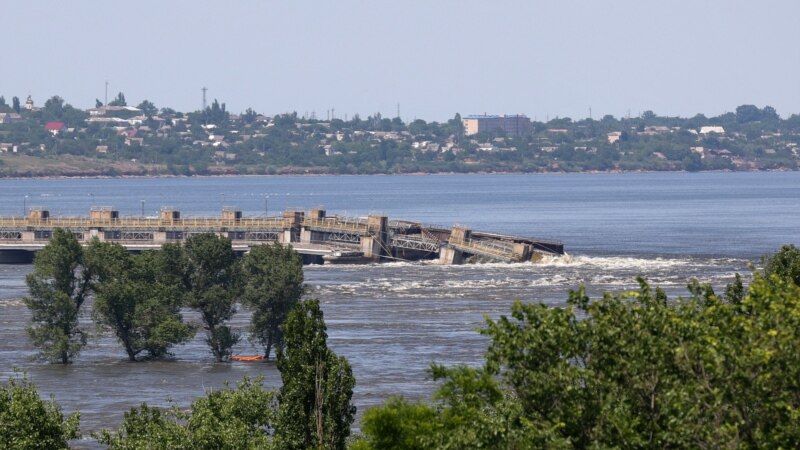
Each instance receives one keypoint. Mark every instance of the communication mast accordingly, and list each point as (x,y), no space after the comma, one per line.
(204,97)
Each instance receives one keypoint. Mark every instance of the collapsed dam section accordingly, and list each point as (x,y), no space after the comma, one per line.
(317,236)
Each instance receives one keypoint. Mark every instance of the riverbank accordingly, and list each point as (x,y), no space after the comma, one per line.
(77,167)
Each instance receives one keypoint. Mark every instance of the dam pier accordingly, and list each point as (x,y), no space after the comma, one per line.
(317,236)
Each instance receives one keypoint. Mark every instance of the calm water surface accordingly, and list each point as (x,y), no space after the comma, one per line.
(392,320)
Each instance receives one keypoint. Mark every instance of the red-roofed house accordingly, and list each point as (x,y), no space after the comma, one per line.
(55,127)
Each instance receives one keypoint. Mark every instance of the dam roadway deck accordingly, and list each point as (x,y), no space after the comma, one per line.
(314,234)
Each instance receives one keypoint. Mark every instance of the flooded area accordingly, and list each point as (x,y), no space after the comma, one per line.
(390,320)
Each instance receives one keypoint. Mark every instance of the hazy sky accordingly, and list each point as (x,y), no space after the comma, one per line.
(435,58)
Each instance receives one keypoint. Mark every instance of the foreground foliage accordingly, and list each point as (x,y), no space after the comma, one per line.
(313,409)
(315,399)
(28,422)
(630,370)
(232,419)
(785,264)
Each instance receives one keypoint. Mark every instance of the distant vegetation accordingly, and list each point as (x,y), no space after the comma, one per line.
(118,139)
(629,370)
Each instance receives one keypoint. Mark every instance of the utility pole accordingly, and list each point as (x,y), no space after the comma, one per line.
(105,99)
(398,110)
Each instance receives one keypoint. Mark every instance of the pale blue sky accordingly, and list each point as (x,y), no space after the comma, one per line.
(540,58)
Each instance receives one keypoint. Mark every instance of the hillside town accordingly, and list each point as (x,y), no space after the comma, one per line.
(113,139)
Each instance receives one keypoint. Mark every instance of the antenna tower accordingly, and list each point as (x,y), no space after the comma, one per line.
(204,97)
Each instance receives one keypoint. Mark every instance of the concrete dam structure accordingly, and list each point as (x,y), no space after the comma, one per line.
(318,237)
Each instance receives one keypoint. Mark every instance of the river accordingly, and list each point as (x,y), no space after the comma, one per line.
(392,320)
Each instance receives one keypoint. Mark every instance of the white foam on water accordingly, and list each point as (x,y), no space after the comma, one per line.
(11,303)
(617,262)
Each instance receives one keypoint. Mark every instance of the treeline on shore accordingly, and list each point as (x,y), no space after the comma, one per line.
(58,139)
(628,370)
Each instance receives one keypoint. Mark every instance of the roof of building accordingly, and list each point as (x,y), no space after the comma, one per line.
(495,116)
(54,126)
(481,116)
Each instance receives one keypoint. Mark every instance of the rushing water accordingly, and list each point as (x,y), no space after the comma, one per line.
(392,320)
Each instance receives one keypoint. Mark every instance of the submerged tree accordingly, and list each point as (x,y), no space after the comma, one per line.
(58,286)
(212,284)
(313,409)
(138,299)
(274,286)
(315,400)
(28,422)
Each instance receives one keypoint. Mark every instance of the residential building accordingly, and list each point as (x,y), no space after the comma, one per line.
(712,129)
(512,125)
(54,127)
(10,117)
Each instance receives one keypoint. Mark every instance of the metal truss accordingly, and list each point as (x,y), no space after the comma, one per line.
(10,235)
(136,236)
(414,243)
(487,249)
(262,236)
(341,237)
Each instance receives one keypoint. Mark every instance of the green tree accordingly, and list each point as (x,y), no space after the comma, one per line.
(784,264)
(27,422)
(216,114)
(212,284)
(397,425)
(97,103)
(456,125)
(137,299)
(15,104)
(249,116)
(747,113)
(632,370)
(118,101)
(315,400)
(227,419)
(274,276)
(58,286)
(148,108)
(53,108)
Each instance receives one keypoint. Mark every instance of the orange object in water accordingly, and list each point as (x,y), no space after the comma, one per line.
(247,358)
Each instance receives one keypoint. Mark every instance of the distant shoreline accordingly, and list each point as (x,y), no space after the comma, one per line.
(413,174)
